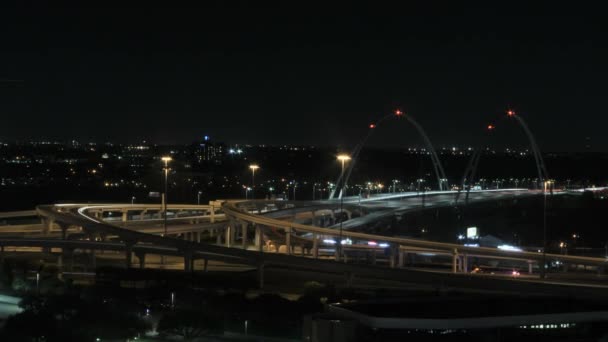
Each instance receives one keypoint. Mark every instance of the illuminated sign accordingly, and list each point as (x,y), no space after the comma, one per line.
(471,232)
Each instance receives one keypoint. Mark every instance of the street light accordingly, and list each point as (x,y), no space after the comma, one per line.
(343,158)
(132,200)
(166,160)
(253,167)
(198,197)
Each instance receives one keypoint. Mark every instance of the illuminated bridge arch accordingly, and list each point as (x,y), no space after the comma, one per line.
(471,170)
(438,168)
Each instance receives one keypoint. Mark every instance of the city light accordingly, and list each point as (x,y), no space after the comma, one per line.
(372,125)
(398,112)
(510,113)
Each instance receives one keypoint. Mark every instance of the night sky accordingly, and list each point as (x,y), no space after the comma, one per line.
(299,74)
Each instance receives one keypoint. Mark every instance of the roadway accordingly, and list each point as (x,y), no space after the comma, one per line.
(142,240)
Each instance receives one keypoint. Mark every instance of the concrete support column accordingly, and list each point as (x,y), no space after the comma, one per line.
(142,214)
(465,263)
(259,238)
(218,239)
(198,237)
(211,213)
(125,215)
(393,256)
(529,267)
(402,255)
(228,235)
(315,246)
(141,257)
(244,234)
(288,241)
(455,261)
(47,226)
(188,262)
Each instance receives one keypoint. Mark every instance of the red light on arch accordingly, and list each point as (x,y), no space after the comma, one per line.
(398,112)
(510,113)
(372,125)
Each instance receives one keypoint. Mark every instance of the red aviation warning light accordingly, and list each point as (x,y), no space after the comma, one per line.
(491,127)
(510,113)
(398,112)
(372,125)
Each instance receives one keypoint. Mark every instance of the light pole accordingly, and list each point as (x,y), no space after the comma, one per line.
(253,167)
(132,200)
(314,185)
(166,160)
(198,197)
(342,158)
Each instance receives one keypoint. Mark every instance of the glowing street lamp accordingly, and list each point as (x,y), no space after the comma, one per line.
(166,160)
(342,158)
(253,167)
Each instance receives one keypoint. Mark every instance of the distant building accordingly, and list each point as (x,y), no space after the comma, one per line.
(209,151)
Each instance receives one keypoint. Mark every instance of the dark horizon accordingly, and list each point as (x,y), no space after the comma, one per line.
(284,74)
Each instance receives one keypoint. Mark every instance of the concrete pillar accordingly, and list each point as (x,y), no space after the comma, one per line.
(402,255)
(125,215)
(393,256)
(188,262)
(47,226)
(211,213)
(465,263)
(218,239)
(142,260)
(244,234)
(288,241)
(198,237)
(228,235)
(455,261)
(529,267)
(315,246)
(143,214)
(259,238)
(64,229)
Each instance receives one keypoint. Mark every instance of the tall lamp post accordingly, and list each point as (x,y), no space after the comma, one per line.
(342,158)
(166,160)
(253,167)
(198,197)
